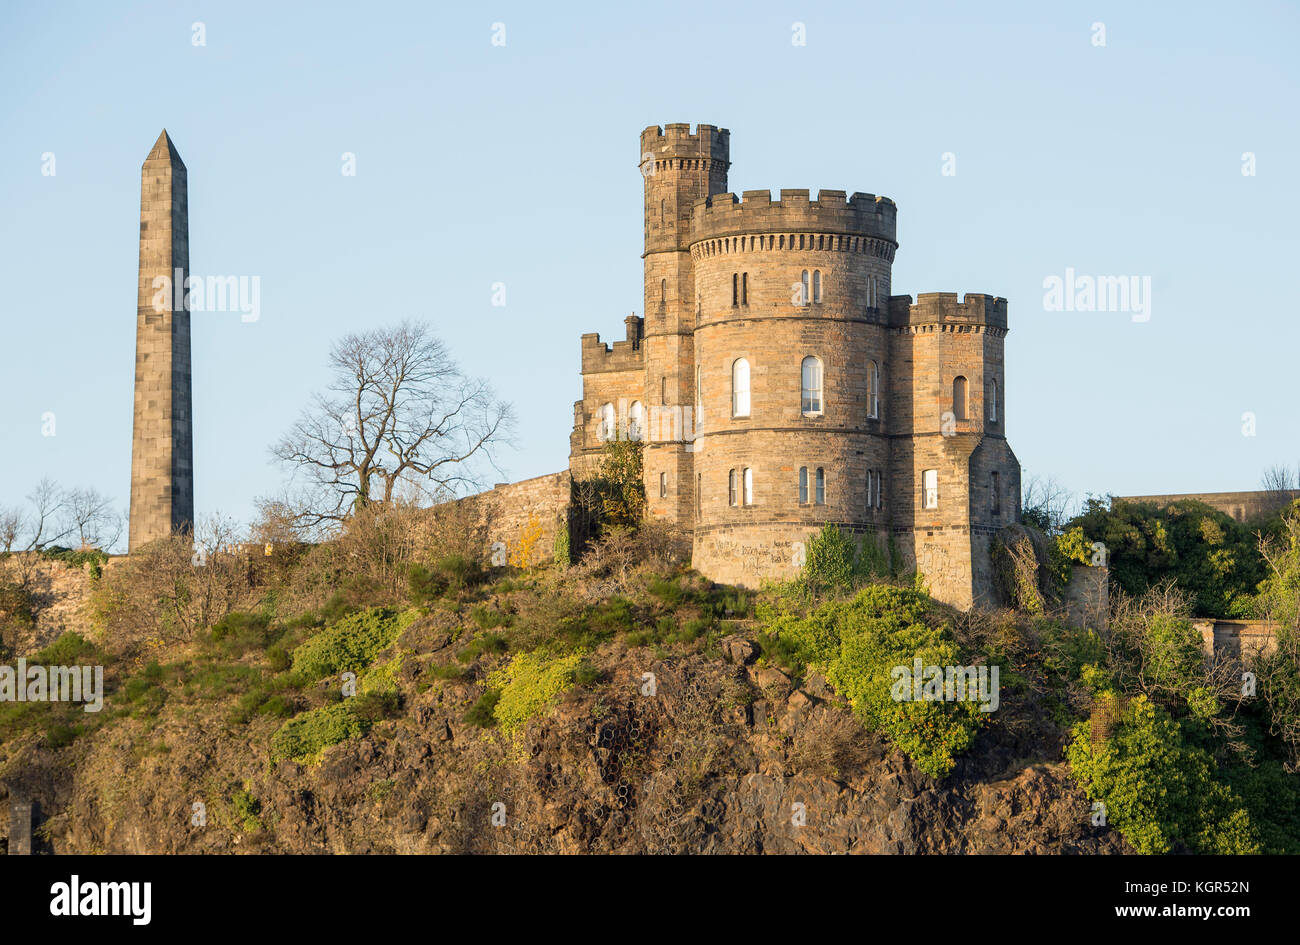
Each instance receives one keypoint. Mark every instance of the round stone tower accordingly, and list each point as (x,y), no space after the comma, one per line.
(791,343)
(679,169)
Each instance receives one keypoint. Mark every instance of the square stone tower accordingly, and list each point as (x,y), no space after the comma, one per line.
(162,456)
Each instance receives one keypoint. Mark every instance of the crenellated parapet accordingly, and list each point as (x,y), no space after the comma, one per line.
(861,223)
(628,355)
(942,311)
(675,142)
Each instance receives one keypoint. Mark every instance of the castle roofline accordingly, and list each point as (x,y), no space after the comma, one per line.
(832,212)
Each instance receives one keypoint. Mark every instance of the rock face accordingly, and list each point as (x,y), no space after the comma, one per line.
(721,758)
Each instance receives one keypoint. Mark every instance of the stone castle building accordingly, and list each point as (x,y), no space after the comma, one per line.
(778,383)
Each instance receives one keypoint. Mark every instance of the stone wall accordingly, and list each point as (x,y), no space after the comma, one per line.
(1236,639)
(1243,506)
(60,595)
(504,514)
(1087,597)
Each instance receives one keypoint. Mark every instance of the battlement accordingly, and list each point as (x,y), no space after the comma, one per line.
(676,140)
(943,309)
(626,355)
(833,212)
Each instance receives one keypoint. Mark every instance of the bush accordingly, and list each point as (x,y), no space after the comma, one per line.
(482,712)
(859,645)
(829,565)
(484,643)
(357,592)
(305,736)
(239,632)
(528,686)
(1160,792)
(351,644)
(449,576)
(67,650)
(16,604)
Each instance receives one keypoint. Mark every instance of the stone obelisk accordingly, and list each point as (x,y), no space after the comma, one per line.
(162,456)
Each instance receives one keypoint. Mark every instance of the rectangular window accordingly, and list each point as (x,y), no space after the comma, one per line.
(749,486)
(731,487)
(880,488)
(821,486)
(735,292)
(995,488)
(930,489)
(871,489)
(699,487)
(663,485)
(803,485)
(744,288)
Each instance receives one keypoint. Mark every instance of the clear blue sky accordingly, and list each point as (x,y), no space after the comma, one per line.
(478,163)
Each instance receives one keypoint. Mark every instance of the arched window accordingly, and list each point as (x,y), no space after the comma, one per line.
(749,486)
(871,489)
(880,488)
(731,487)
(735,289)
(663,207)
(811,399)
(821,486)
(959,397)
(663,290)
(817,285)
(636,421)
(663,485)
(663,389)
(606,429)
(744,288)
(993,400)
(873,390)
(995,489)
(803,485)
(930,489)
(804,294)
(740,388)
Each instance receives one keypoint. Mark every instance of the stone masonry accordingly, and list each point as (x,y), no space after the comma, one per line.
(162,461)
(778,384)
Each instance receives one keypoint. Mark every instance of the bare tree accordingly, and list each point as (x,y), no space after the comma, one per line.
(11,527)
(1046,503)
(1280,478)
(48,523)
(397,409)
(92,518)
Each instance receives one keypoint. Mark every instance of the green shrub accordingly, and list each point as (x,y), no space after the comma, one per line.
(445,671)
(483,643)
(356,593)
(1160,792)
(482,712)
(351,644)
(529,685)
(830,561)
(373,706)
(487,619)
(70,648)
(16,604)
(236,633)
(561,552)
(305,736)
(859,644)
